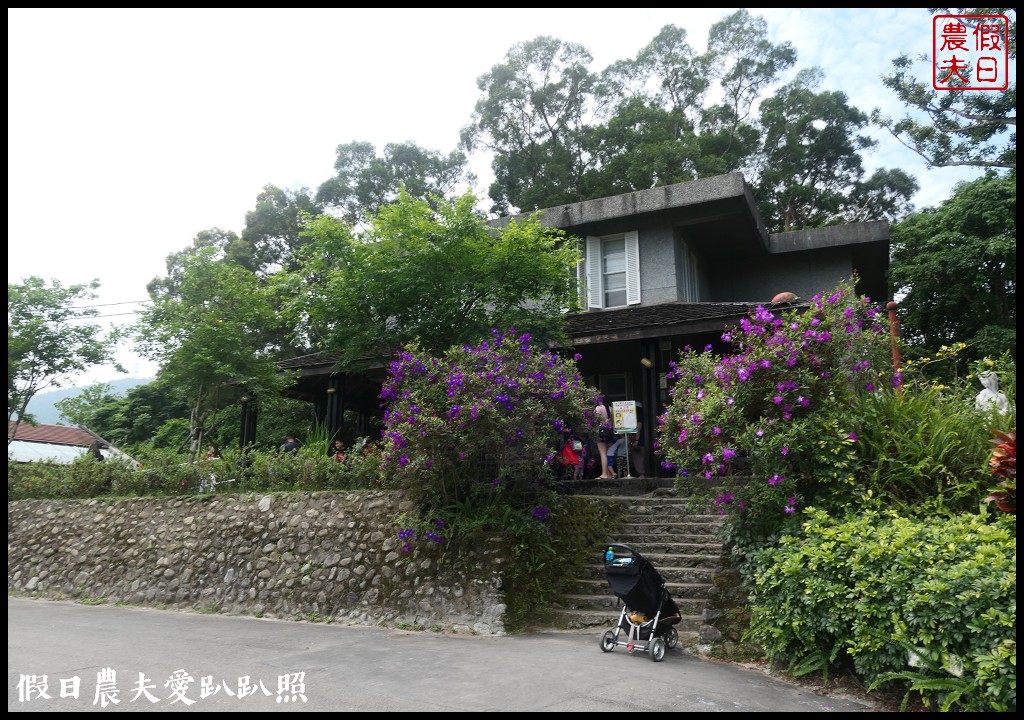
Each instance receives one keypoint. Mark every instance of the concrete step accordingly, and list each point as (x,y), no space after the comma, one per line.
(685,576)
(661,544)
(687,605)
(680,541)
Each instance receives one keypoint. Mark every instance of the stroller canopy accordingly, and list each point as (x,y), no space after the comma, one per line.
(636,583)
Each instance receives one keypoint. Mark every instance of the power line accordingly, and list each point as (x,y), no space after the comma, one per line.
(90,307)
(94,317)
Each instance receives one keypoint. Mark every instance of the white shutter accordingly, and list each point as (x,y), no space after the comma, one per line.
(633,268)
(595,291)
(581,274)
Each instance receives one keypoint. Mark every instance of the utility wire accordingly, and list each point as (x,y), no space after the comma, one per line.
(96,317)
(90,307)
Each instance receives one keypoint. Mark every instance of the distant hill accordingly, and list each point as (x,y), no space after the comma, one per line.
(44,405)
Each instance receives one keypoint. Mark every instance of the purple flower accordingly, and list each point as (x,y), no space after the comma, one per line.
(775,479)
(784,451)
(541,514)
(852,436)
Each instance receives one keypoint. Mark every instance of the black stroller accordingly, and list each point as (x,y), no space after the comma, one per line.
(649,615)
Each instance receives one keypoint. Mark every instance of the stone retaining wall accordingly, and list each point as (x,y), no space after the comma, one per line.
(303,556)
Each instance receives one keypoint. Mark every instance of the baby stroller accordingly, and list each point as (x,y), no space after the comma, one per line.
(649,615)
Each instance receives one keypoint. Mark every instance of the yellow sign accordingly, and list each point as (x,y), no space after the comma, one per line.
(624,416)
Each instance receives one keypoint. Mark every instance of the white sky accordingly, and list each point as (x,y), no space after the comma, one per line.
(130,131)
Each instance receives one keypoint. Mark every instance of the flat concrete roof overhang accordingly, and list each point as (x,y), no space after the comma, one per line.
(867,242)
(720,208)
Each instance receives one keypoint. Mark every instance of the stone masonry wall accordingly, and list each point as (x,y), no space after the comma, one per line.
(302,556)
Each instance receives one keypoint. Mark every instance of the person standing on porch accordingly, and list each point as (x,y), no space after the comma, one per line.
(605,437)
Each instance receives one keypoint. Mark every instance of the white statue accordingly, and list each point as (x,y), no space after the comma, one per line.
(990,397)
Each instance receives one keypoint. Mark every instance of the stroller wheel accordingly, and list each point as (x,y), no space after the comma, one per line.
(657,649)
(608,640)
(671,638)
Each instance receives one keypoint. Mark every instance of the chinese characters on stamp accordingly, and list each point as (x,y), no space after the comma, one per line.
(970,52)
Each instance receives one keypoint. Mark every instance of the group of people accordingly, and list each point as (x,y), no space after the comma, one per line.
(612,452)
(612,446)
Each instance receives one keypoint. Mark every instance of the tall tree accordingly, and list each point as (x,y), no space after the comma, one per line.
(46,342)
(211,336)
(955,127)
(363,183)
(534,115)
(131,419)
(270,238)
(955,268)
(809,171)
(225,244)
(438,275)
(745,63)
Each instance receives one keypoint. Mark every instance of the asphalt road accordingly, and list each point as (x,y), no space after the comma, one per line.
(193,662)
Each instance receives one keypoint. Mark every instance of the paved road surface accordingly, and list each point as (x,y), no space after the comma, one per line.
(259,665)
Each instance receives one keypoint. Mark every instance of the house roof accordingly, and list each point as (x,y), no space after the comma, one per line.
(640,321)
(55,434)
(58,444)
(722,207)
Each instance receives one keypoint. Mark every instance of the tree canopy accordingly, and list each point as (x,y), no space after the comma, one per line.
(212,335)
(954,269)
(440,276)
(561,133)
(363,183)
(955,127)
(47,342)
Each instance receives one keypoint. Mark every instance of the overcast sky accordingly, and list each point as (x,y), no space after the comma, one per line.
(130,131)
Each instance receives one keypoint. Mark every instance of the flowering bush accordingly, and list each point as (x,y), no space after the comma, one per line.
(1004,466)
(781,408)
(479,427)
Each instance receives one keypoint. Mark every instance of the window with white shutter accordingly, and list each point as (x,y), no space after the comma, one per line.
(613,270)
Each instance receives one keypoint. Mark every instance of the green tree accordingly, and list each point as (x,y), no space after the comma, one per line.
(227,245)
(79,409)
(746,63)
(955,127)
(211,337)
(47,342)
(562,134)
(363,183)
(131,419)
(809,171)
(440,276)
(534,115)
(954,269)
(270,238)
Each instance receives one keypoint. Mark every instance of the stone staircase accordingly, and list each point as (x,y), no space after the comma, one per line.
(682,546)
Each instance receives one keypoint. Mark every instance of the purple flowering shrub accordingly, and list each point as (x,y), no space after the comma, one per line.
(475,432)
(766,427)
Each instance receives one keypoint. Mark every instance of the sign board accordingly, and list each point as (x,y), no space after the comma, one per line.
(624,416)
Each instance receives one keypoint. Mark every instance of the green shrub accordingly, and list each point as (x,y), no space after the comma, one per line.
(922,451)
(855,593)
